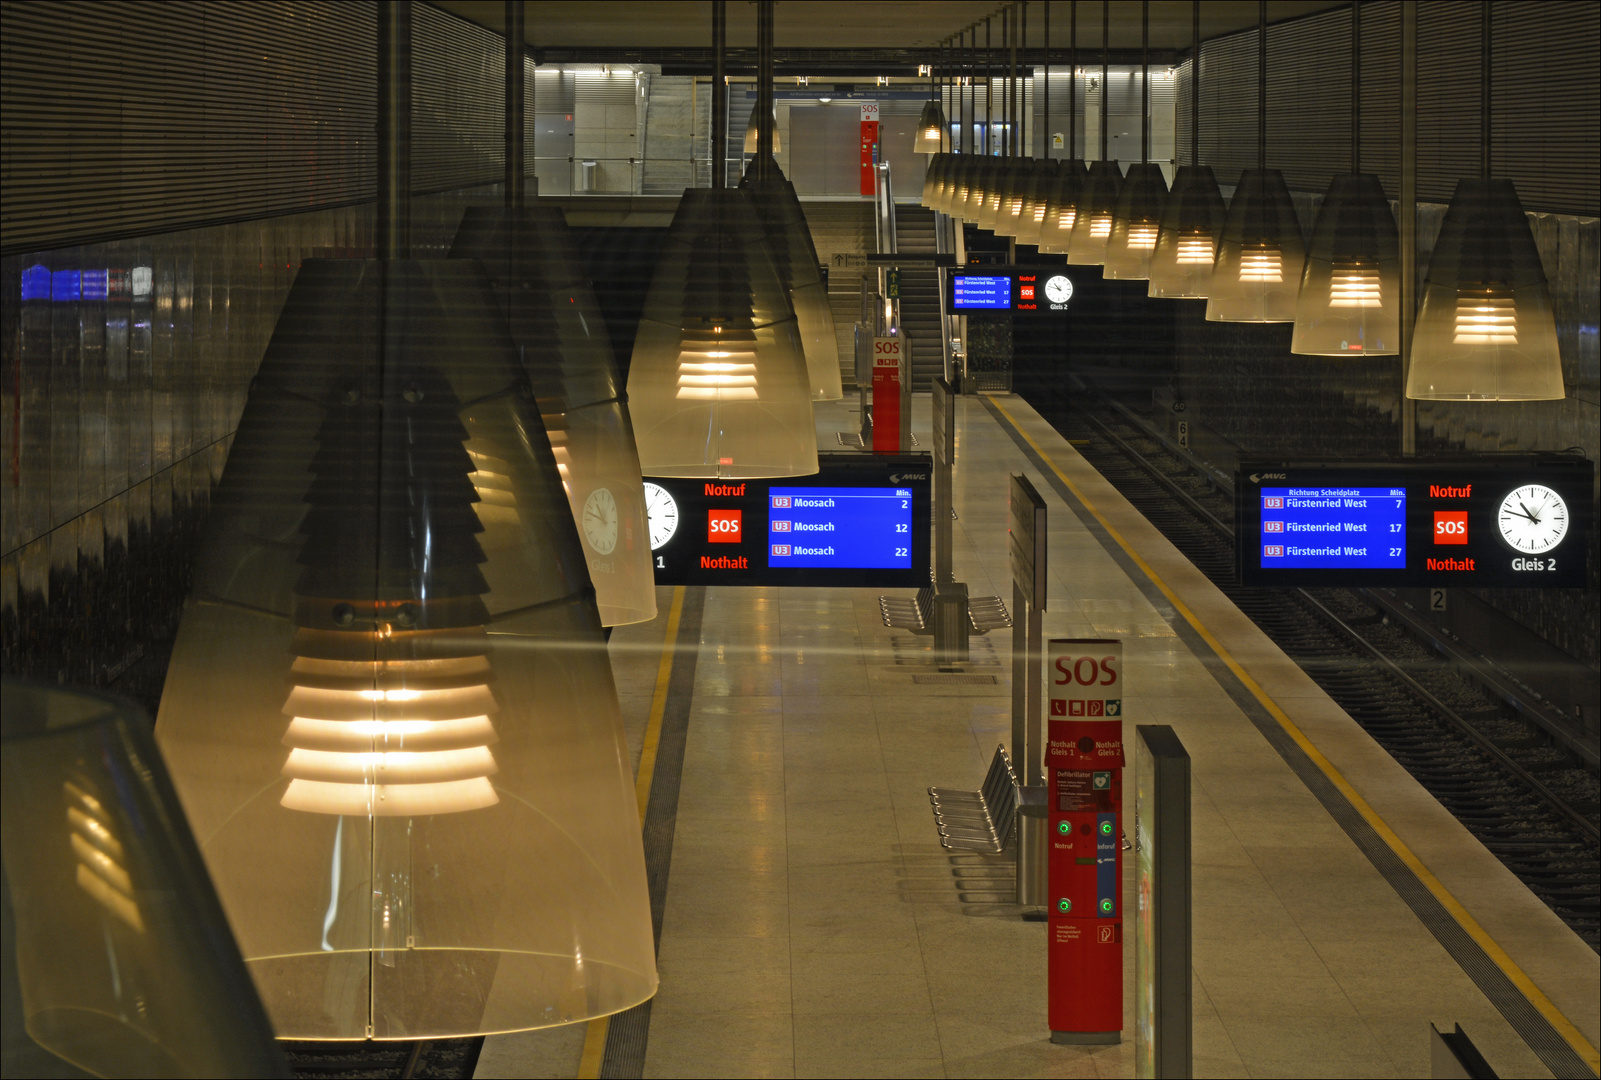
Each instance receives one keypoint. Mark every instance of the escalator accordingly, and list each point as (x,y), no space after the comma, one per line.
(920,299)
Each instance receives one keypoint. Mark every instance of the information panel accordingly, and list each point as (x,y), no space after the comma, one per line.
(1520,521)
(1028,290)
(863,520)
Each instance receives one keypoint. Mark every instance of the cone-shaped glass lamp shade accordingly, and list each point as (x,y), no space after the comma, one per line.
(1485,329)
(1350,299)
(1002,176)
(719,385)
(560,335)
(965,199)
(1259,261)
(1061,208)
(789,239)
(930,129)
(389,712)
(1097,207)
(933,177)
(124,958)
(1010,221)
(986,174)
(752,137)
(1186,246)
(1139,219)
(1036,200)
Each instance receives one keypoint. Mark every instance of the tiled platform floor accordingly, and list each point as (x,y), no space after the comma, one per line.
(814,926)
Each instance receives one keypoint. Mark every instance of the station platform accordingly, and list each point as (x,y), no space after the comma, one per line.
(810,924)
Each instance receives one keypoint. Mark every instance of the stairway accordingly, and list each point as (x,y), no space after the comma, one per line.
(920,299)
(668,135)
(842,232)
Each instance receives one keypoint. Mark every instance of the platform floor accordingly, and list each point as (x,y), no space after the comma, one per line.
(814,927)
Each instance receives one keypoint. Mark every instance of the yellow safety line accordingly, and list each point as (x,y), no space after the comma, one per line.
(1495,952)
(594,1053)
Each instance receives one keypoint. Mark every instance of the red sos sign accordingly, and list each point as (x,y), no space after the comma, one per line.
(1086,671)
(724,526)
(1450,526)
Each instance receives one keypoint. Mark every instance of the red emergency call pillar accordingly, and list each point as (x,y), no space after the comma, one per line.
(869,146)
(892,381)
(1084,754)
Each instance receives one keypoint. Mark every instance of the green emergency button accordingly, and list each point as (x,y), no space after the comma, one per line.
(1106,828)
(1064,827)
(1064,905)
(1106,907)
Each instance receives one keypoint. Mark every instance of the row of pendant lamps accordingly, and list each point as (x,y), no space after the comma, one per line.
(1485,330)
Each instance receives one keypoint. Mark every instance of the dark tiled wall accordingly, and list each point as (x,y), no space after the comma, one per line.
(125,368)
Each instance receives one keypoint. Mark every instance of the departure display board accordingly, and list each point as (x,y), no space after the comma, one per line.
(1520,521)
(1028,290)
(862,520)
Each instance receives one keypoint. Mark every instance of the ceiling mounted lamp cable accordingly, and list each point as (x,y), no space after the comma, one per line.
(1144,195)
(930,137)
(1261,256)
(1485,329)
(1097,202)
(1061,203)
(1350,300)
(1192,221)
(1000,175)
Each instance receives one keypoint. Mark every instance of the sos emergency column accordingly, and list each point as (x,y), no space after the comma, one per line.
(892,395)
(1084,753)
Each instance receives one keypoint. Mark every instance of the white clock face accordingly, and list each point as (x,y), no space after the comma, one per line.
(600,521)
(662,513)
(1058,290)
(1533,519)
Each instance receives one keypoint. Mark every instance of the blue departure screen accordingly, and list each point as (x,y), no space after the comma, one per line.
(990,292)
(839,528)
(1334,528)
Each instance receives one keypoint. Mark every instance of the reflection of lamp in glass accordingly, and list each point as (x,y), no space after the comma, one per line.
(789,239)
(1093,216)
(752,139)
(1260,257)
(1485,329)
(389,711)
(719,384)
(1350,299)
(124,959)
(561,337)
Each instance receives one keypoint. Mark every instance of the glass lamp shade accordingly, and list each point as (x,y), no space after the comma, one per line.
(789,239)
(1485,329)
(1139,219)
(1259,260)
(933,178)
(964,192)
(999,188)
(719,385)
(1036,200)
(1061,208)
(752,137)
(1350,299)
(1010,220)
(1097,207)
(986,174)
(124,959)
(930,129)
(1186,246)
(390,713)
(561,336)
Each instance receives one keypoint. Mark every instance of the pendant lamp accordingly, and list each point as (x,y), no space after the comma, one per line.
(1144,193)
(1192,221)
(1097,202)
(719,384)
(1350,299)
(124,962)
(931,181)
(753,140)
(930,129)
(561,337)
(389,712)
(1260,258)
(1485,329)
(789,239)
(1061,208)
(1047,174)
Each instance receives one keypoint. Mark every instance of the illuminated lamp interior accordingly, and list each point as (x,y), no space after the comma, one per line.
(1354,285)
(1101,226)
(1142,236)
(1486,317)
(1261,263)
(497,505)
(100,871)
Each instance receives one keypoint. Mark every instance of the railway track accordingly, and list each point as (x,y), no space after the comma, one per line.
(423,1059)
(1527,799)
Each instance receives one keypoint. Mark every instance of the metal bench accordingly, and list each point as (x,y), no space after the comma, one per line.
(981,820)
(984,613)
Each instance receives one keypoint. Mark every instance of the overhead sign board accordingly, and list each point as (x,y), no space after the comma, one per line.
(862,520)
(1027,290)
(1483,522)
